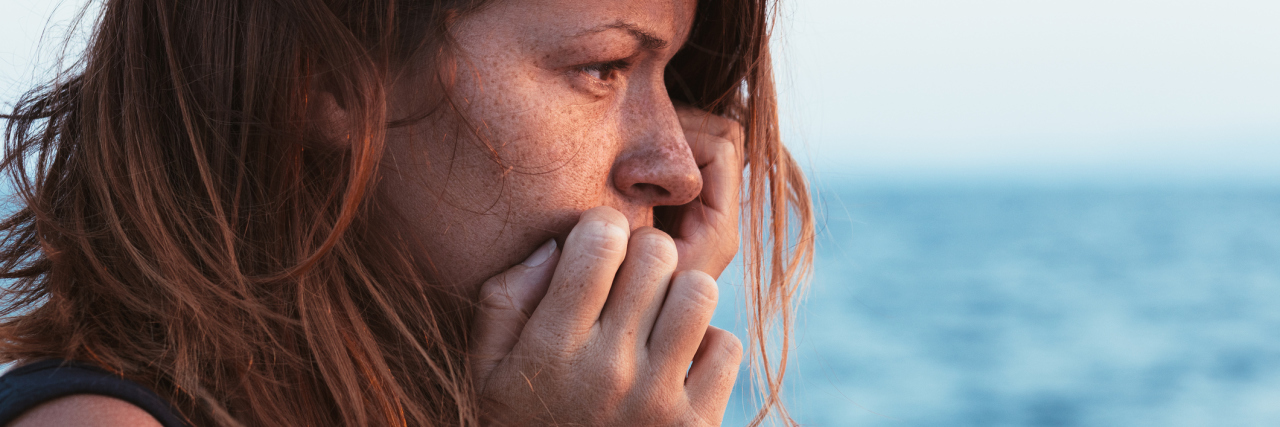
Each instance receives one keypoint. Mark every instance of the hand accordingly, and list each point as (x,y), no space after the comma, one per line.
(706,230)
(603,333)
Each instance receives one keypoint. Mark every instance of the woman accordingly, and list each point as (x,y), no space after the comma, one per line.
(380,212)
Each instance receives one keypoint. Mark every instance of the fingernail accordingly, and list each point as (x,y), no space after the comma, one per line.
(541,255)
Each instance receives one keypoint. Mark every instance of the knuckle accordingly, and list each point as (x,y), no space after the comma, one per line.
(495,295)
(617,379)
(619,374)
(730,345)
(733,131)
(723,147)
(496,302)
(713,124)
(700,289)
(605,214)
(556,348)
(602,238)
(656,245)
(723,127)
(687,113)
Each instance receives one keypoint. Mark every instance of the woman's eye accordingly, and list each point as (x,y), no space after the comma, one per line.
(605,71)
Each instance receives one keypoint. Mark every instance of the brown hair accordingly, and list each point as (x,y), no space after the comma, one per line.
(175,222)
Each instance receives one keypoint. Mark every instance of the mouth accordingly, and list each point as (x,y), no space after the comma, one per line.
(663,218)
(666,218)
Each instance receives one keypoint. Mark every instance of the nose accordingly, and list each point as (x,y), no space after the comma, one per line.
(656,166)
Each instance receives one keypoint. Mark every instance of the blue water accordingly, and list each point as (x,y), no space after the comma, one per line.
(937,306)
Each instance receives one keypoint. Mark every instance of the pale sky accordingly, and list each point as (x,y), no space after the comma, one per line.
(1007,89)
(992,89)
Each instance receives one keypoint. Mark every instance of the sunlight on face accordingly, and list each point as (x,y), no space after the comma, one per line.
(571,110)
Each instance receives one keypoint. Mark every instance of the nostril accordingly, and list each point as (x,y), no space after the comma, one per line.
(654,192)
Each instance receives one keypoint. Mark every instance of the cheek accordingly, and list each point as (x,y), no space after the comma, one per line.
(480,205)
(557,165)
(555,152)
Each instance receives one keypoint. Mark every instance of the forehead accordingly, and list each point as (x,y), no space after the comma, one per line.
(670,19)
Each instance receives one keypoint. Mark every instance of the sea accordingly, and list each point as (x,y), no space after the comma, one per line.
(1037,306)
(985,305)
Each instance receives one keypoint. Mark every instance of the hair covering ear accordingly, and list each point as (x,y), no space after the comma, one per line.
(328,117)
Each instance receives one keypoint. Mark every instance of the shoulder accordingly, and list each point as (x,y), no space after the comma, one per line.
(57,392)
(85,410)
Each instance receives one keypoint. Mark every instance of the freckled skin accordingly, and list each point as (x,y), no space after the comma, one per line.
(562,144)
(613,342)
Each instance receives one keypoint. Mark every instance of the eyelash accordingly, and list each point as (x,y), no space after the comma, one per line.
(605,71)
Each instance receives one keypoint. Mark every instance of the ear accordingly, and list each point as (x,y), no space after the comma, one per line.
(328,117)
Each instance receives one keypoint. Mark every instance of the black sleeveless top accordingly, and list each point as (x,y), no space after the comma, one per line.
(30,385)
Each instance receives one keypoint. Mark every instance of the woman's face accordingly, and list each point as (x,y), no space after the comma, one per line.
(569,100)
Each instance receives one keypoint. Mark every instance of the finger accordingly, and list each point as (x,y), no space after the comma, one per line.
(706,230)
(504,305)
(590,259)
(717,146)
(720,162)
(694,119)
(640,287)
(714,370)
(686,313)
(709,225)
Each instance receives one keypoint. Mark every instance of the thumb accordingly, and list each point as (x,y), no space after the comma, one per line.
(505,303)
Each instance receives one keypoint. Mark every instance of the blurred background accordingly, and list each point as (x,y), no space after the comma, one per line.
(1031,213)
(1037,213)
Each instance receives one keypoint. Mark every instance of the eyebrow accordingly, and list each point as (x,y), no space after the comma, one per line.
(647,39)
